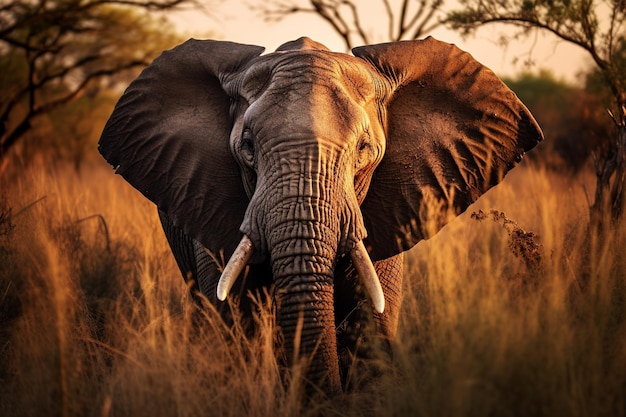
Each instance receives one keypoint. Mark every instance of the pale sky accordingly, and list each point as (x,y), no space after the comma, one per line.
(236,22)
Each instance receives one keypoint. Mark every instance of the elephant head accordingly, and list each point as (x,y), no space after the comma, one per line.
(305,158)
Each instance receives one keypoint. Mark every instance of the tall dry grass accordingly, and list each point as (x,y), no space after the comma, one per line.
(96,320)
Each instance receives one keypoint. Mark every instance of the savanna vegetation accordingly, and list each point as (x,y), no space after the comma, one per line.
(518,307)
(497,320)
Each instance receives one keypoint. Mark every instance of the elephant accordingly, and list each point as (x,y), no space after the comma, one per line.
(311,172)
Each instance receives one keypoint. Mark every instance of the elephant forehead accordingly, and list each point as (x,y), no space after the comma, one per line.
(307,73)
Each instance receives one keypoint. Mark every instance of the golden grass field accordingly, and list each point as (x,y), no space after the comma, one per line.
(96,319)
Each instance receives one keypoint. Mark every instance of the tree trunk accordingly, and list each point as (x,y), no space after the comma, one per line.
(608,207)
(6,143)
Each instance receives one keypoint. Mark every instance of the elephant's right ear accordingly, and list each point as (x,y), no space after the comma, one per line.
(169,137)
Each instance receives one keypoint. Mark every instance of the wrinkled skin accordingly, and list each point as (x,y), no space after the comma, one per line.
(308,152)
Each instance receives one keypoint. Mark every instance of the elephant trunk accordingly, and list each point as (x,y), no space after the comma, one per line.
(303,217)
(303,267)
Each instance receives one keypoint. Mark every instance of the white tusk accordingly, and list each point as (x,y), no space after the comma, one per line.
(233,268)
(365,268)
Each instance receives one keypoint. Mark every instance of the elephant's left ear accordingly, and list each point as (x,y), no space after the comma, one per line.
(453,131)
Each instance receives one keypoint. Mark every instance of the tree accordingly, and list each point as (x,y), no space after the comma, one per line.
(598,28)
(408,19)
(54,51)
(572,117)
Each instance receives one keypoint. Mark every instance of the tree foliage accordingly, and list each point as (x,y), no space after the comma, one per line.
(53,53)
(572,118)
(594,26)
(396,20)
(598,28)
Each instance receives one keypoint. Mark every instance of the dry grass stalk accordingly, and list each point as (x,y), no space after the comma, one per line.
(88,331)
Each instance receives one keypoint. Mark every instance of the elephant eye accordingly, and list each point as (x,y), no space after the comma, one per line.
(247,140)
(364,152)
(247,147)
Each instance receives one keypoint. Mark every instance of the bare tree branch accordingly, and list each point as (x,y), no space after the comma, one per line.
(390,16)
(429,22)
(356,22)
(349,18)
(401,23)
(60,48)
